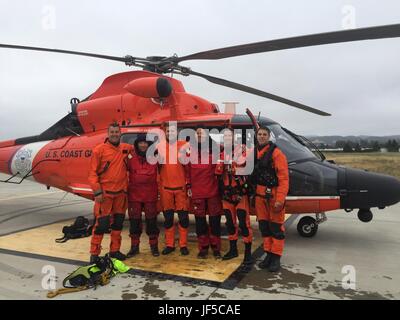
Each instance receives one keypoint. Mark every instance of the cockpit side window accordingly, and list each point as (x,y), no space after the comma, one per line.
(131,137)
(292,148)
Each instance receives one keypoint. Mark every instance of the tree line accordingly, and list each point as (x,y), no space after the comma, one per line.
(363,145)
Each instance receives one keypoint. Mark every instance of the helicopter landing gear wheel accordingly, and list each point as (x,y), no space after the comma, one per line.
(365,215)
(307,227)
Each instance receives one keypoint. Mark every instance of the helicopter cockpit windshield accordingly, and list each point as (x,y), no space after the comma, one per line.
(292,146)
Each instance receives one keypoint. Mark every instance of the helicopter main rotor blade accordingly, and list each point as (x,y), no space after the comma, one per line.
(126,59)
(257,92)
(380,32)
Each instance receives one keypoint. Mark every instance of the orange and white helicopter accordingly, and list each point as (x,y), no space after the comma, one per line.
(142,100)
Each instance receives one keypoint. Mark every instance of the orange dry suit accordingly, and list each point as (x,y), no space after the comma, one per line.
(108,176)
(271,178)
(173,192)
(235,200)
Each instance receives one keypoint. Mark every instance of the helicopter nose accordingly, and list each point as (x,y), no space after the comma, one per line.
(363,189)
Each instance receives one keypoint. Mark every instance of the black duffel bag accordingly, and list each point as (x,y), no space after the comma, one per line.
(79,229)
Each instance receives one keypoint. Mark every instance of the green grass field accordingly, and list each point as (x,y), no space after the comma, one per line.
(388,163)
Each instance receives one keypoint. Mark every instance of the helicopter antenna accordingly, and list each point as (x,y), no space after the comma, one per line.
(73,132)
(63,198)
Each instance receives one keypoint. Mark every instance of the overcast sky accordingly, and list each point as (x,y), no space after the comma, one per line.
(357,82)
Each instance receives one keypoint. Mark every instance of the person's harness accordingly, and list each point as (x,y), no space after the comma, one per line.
(230,193)
(91,276)
(264,173)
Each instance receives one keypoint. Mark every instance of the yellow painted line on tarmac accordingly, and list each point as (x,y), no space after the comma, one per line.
(31,195)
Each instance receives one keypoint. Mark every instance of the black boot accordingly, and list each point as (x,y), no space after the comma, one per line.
(266,262)
(133,252)
(247,254)
(275,263)
(184,251)
(118,255)
(233,251)
(93,259)
(217,254)
(202,254)
(154,250)
(168,250)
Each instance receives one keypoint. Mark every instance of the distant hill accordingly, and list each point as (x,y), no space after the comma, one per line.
(331,140)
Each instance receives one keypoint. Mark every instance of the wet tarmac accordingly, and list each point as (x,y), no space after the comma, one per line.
(347,259)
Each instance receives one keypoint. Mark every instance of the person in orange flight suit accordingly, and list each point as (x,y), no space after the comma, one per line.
(109,181)
(173,190)
(235,200)
(271,178)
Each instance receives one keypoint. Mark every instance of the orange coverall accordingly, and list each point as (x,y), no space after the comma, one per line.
(173,192)
(235,211)
(108,176)
(271,223)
